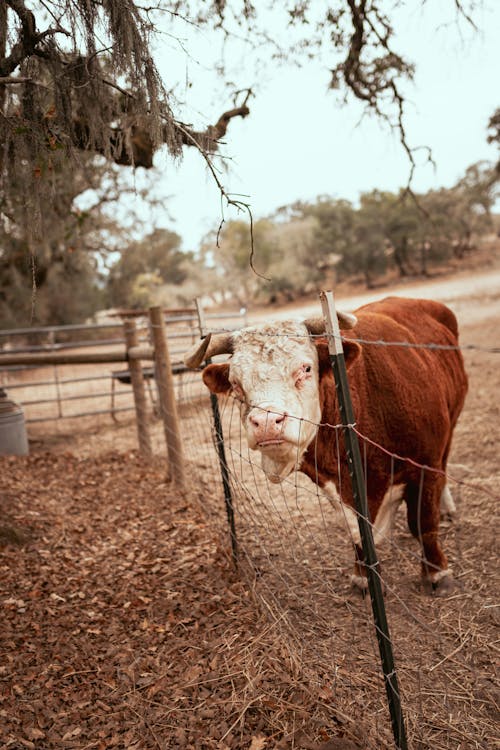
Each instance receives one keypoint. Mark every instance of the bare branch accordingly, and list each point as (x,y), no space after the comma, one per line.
(240,205)
(28,40)
(462,12)
(18,79)
(208,138)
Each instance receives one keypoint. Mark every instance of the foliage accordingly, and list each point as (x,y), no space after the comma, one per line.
(81,75)
(62,280)
(302,245)
(78,78)
(494,134)
(62,276)
(227,252)
(144,267)
(86,80)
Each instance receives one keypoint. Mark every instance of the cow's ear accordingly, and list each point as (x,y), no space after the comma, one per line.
(352,350)
(216,378)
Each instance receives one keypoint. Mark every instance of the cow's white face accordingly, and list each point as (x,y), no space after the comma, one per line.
(273,374)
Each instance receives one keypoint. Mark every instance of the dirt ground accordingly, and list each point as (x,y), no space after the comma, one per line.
(125,624)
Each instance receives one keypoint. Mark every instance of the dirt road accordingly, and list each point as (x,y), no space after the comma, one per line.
(458,292)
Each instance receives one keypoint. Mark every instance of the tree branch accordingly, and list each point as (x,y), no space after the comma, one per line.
(28,39)
(133,146)
(14,79)
(208,139)
(240,205)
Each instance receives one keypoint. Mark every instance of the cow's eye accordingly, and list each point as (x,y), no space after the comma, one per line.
(302,374)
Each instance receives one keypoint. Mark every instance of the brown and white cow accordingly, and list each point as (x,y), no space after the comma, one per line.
(406,399)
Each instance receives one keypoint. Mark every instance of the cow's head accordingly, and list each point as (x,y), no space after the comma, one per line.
(274,374)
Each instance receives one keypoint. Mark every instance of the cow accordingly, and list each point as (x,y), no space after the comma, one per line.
(406,399)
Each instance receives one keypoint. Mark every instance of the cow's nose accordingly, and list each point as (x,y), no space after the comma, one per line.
(267,420)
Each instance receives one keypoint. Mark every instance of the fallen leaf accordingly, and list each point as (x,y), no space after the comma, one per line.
(258,742)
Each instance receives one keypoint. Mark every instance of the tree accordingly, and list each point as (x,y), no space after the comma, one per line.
(79,77)
(453,218)
(475,195)
(144,266)
(81,74)
(293,268)
(334,224)
(69,256)
(366,254)
(60,278)
(494,133)
(228,252)
(85,78)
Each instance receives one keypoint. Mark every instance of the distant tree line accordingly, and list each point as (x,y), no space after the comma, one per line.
(305,245)
(89,261)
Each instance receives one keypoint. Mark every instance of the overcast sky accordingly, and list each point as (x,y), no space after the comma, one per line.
(300,142)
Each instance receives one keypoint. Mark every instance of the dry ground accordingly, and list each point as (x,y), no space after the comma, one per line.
(125,624)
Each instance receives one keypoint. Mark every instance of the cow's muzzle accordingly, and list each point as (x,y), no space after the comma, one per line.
(266,426)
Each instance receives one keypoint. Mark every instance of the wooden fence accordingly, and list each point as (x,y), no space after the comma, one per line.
(153,368)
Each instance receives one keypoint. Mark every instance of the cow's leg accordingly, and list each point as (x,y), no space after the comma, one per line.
(350,519)
(359,577)
(383,507)
(384,512)
(423,500)
(447,505)
(384,519)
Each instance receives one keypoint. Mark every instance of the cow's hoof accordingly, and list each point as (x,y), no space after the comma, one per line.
(447,516)
(359,584)
(441,584)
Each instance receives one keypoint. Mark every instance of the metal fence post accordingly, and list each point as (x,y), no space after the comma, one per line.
(360,500)
(219,438)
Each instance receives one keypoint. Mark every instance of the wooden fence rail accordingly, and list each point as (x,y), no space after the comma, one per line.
(58,346)
(132,353)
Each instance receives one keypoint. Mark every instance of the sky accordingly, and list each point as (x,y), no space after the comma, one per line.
(299,141)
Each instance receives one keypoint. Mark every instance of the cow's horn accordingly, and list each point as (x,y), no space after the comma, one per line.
(219,343)
(316,326)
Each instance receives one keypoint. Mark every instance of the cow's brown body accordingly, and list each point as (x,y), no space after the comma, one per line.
(406,399)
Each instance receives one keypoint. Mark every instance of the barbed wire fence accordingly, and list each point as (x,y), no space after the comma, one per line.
(294,548)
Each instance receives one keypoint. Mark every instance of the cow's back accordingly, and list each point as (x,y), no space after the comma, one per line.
(422,347)
(407,395)
(421,368)
(417,315)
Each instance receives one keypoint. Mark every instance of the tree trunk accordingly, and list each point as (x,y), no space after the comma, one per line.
(401,256)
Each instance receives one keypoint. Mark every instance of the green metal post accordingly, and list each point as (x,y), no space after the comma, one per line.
(365,529)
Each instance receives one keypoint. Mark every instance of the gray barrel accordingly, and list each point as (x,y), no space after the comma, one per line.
(13,437)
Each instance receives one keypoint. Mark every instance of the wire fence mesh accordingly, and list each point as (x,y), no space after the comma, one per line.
(295,552)
(296,548)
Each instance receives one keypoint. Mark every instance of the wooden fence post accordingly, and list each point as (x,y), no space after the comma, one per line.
(137,380)
(166,395)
